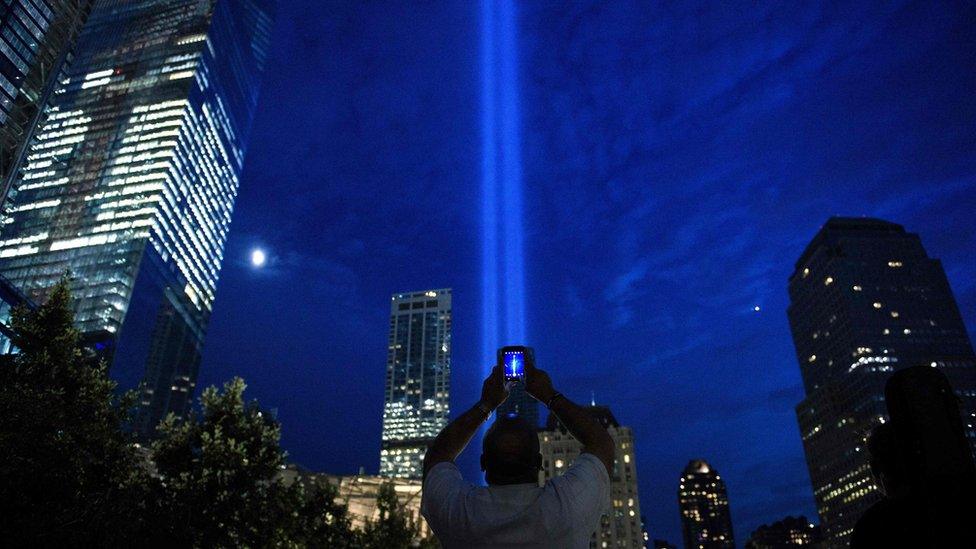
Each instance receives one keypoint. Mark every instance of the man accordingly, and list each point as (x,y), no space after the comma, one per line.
(513,510)
(893,521)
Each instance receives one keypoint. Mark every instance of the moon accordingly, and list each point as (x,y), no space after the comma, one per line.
(258,258)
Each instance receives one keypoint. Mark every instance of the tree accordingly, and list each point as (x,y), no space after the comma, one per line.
(69,474)
(218,473)
(319,520)
(221,485)
(395,527)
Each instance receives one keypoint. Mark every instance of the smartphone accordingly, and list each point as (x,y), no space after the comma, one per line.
(513,358)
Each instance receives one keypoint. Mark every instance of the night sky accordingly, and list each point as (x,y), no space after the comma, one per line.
(677,160)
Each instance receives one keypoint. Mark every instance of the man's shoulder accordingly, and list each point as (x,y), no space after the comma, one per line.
(585,483)
(586,466)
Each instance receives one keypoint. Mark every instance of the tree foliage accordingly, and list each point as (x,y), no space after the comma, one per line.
(221,482)
(67,465)
(70,475)
(393,528)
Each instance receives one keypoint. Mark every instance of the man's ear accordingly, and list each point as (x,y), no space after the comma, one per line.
(482,460)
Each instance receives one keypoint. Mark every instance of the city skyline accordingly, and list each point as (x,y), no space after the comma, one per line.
(625,187)
(676,161)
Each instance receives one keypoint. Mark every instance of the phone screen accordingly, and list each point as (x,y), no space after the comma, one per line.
(514,365)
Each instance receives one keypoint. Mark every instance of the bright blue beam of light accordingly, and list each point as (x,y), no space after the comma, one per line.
(503,266)
(511,153)
(489,185)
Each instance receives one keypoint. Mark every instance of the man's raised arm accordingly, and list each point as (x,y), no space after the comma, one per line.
(594,437)
(452,440)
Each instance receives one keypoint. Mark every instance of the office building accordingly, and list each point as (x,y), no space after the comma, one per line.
(706,522)
(36,41)
(620,525)
(130,180)
(782,534)
(418,380)
(10,297)
(520,404)
(866,300)
(662,544)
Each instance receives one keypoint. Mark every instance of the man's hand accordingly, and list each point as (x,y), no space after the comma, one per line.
(495,390)
(537,383)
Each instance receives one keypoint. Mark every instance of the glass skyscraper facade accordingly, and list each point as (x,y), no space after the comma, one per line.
(418,380)
(36,40)
(706,522)
(866,300)
(130,181)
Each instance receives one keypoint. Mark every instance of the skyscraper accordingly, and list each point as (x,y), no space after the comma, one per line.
(418,380)
(130,183)
(704,504)
(36,40)
(621,524)
(866,300)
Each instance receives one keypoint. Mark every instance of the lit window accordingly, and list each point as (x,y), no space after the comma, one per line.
(857,288)
(877,305)
(812,358)
(907,331)
(894,314)
(806,272)
(626,458)
(559,463)
(894,264)
(828,281)
(887,331)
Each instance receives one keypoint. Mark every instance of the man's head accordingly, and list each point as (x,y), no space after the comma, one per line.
(510,452)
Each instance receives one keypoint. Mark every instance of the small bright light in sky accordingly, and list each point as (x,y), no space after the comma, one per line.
(258,258)
(756,308)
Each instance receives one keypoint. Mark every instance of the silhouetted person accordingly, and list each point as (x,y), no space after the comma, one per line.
(923,465)
(892,520)
(513,510)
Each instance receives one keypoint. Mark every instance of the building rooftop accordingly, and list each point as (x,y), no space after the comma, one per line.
(839,227)
(698,466)
(600,413)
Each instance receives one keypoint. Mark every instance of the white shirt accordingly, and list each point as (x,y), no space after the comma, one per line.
(563,513)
